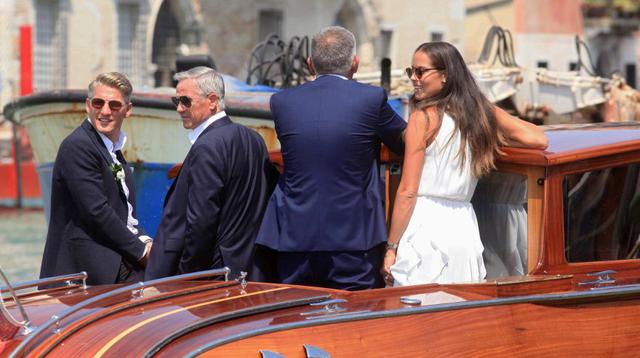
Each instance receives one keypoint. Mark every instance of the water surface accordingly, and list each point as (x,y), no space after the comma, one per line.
(22,237)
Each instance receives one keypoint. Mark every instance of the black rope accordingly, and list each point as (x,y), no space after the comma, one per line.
(502,40)
(276,63)
(510,51)
(590,69)
(296,69)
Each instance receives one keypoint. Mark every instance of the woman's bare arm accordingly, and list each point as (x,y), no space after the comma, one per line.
(419,129)
(519,133)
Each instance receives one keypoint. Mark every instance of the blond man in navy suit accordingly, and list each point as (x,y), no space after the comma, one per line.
(92,225)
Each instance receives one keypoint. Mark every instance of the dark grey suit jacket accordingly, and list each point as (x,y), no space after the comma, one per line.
(214,207)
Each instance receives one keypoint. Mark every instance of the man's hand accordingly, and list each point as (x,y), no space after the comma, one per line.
(147,252)
(389,259)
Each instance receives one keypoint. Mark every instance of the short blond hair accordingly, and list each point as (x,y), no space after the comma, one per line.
(115,80)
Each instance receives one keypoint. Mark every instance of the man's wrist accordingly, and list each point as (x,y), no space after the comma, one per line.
(392,246)
(145,239)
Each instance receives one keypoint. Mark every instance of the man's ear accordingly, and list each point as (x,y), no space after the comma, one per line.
(312,70)
(354,64)
(129,110)
(214,102)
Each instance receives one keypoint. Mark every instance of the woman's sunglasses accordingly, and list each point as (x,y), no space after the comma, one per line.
(420,71)
(184,100)
(114,105)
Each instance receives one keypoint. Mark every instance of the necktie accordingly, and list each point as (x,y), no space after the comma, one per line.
(120,157)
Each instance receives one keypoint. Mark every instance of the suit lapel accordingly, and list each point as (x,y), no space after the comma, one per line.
(97,141)
(171,189)
(219,123)
(104,153)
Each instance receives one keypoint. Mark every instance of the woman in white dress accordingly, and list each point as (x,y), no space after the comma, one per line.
(452,139)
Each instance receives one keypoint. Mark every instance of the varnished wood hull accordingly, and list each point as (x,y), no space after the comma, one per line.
(515,318)
(595,330)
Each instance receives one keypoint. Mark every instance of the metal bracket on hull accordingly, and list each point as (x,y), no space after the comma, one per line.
(67,280)
(269,354)
(315,352)
(603,277)
(242,280)
(330,306)
(9,326)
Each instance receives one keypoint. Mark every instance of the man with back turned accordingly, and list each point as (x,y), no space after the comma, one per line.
(325,219)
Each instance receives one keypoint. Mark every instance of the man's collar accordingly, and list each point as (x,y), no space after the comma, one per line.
(195,133)
(332,74)
(111,147)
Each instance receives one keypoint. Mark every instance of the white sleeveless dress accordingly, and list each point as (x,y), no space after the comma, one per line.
(442,242)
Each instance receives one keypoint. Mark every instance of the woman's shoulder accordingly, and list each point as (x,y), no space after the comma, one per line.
(431,113)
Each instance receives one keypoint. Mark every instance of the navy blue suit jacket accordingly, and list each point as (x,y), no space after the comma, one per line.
(330,196)
(88,220)
(214,207)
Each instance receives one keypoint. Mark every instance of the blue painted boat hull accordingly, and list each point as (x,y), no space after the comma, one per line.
(151,188)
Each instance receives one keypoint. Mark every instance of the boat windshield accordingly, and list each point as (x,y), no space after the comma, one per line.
(500,203)
(601,211)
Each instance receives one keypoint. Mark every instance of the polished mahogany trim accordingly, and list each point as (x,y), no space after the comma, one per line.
(69,331)
(127,331)
(22,349)
(544,299)
(232,315)
(578,142)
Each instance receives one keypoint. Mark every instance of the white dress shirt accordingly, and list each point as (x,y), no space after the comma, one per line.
(112,148)
(195,133)
(332,74)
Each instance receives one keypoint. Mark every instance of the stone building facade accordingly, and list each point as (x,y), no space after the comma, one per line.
(72,40)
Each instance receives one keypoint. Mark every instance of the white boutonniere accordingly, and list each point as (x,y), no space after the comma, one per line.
(117,171)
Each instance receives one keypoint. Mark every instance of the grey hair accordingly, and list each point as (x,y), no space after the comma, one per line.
(332,50)
(208,81)
(115,80)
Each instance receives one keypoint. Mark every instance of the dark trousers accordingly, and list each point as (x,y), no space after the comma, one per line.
(346,270)
(129,273)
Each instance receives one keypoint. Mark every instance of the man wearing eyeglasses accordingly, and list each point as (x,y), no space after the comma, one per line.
(92,225)
(215,205)
(325,219)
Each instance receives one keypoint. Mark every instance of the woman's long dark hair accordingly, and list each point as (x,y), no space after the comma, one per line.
(461,98)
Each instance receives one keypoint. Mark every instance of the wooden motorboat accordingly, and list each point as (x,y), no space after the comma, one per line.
(561,230)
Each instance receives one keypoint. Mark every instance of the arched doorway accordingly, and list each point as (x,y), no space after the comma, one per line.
(360,18)
(178,29)
(166,39)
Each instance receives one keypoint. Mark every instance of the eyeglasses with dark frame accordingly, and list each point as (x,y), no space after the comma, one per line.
(420,71)
(184,100)
(98,103)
